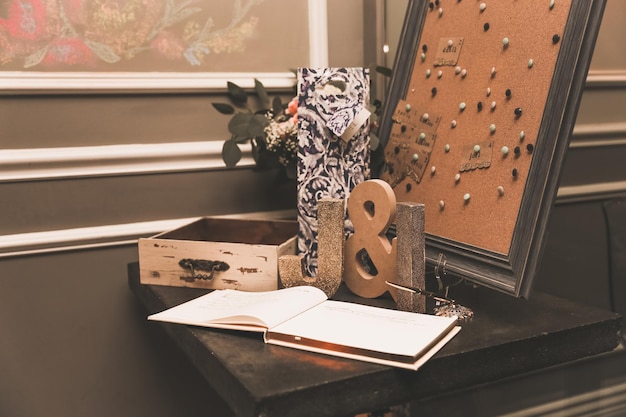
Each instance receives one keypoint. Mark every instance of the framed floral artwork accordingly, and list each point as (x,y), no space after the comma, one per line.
(178,44)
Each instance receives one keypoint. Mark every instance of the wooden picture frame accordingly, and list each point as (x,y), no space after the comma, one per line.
(469,74)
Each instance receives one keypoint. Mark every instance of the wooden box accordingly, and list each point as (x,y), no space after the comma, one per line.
(217,253)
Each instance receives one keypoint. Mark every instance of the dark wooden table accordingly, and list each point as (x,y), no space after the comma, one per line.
(507,337)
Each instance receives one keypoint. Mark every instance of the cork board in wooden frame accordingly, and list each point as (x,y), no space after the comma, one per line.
(481,106)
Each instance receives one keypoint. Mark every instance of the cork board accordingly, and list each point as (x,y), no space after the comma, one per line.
(487,100)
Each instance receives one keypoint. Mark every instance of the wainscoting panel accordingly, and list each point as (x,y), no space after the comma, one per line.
(70,203)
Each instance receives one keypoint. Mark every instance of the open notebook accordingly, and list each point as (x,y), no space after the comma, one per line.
(303,318)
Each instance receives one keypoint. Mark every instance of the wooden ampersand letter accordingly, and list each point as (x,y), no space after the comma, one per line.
(371,208)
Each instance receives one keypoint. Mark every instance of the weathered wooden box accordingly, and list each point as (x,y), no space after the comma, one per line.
(218,253)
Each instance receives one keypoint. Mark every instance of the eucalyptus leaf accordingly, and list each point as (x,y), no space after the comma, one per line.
(238,124)
(256,126)
(231,154)
(241,139)
(277,106)
(264,98)
(236,93)
(224,108)
(387,72)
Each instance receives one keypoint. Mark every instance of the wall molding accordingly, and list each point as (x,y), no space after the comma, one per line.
(33,82)
(51,241)
(318,33)
(594,135)
(591,136)
(19,82)
(135,159)
(591,192)
(96,161)
(606,79)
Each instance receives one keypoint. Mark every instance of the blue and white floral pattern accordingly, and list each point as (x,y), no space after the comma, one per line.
(328,166)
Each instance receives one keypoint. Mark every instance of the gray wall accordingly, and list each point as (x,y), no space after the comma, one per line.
(584,258)
(75,342)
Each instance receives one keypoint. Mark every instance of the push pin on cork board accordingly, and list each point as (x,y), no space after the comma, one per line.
(485,101)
